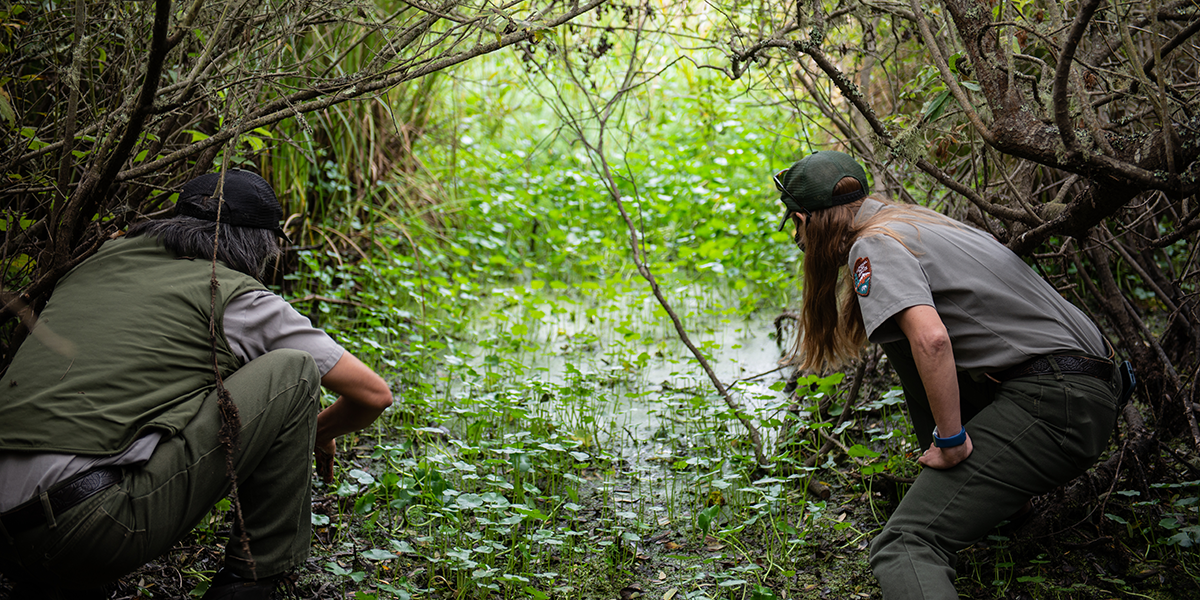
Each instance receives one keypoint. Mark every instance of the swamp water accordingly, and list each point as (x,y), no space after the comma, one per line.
(631,343)
(577,450)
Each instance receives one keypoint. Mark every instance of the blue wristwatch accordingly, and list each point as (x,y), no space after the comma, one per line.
(949,442)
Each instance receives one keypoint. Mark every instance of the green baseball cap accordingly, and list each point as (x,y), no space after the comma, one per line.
(807,185)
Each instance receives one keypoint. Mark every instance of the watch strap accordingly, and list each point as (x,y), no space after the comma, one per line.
(949,442)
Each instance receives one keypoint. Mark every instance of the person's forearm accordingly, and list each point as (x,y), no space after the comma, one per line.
(934,357)
(935,364)
(343,417)
(362,396)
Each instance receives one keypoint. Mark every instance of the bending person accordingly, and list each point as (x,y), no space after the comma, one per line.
(1011,388)
(109,422)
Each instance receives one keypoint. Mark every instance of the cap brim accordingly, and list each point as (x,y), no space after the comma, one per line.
(787,214)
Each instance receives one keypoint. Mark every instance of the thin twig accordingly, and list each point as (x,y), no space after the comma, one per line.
(949,79)
(597,153)
(332,92)
(231,421)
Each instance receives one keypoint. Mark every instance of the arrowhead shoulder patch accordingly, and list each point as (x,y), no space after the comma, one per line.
(862,276)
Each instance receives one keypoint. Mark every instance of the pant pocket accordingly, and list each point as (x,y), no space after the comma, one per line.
(1042,399)
(1093,415)
(100,546)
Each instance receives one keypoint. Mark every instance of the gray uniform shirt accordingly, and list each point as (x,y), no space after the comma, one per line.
(256,322)
(997,310)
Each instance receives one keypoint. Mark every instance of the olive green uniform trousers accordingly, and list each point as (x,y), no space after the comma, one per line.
(1030,435)
(128,524)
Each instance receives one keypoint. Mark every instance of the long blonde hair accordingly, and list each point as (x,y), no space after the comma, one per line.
(831,332)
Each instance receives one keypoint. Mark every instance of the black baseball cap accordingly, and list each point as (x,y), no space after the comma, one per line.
(808,184)
(249,201)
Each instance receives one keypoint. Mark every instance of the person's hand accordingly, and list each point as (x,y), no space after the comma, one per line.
(324,454)
(944,458)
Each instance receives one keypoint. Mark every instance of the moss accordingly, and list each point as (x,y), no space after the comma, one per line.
(909,144)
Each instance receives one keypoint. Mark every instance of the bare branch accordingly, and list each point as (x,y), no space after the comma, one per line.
(949,79)
(338,91)
(1062,115)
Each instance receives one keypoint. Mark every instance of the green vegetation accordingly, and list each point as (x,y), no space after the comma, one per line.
(552,438)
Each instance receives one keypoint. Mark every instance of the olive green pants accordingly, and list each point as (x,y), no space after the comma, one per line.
(1036,434)
(128,524)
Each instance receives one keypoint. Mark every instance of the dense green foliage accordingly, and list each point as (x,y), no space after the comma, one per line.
(552,438)
(527,212)
(452,227)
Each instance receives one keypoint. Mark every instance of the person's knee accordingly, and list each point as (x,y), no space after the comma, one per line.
(298,360)
(907,544)
(306,367)
(287,368)
(293,362)
(883,548)
(889,561)
(909,563)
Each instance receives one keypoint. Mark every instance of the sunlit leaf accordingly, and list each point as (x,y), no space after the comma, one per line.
(377,554)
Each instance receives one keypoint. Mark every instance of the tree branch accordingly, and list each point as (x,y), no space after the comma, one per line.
(949,79)
(1173,43)
(341,90)
(78,52)
(86,199)
(597,154)
(1062,113)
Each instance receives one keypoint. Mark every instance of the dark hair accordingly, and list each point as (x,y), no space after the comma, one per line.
(245,249)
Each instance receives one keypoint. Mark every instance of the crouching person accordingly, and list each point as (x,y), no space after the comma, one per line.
(110,421)
(1012,390)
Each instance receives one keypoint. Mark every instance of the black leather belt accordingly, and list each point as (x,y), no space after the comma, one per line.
(31,514)
(1075,365)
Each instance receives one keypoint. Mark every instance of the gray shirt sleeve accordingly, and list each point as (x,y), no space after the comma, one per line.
(258,322)
(887,280)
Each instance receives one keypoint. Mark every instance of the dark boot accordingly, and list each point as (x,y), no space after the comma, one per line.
(228,586)
(1018,520)
(31,591)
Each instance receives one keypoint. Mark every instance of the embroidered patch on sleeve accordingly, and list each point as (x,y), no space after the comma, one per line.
(862,276)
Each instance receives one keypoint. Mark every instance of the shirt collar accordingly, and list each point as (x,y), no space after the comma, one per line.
(869,207)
